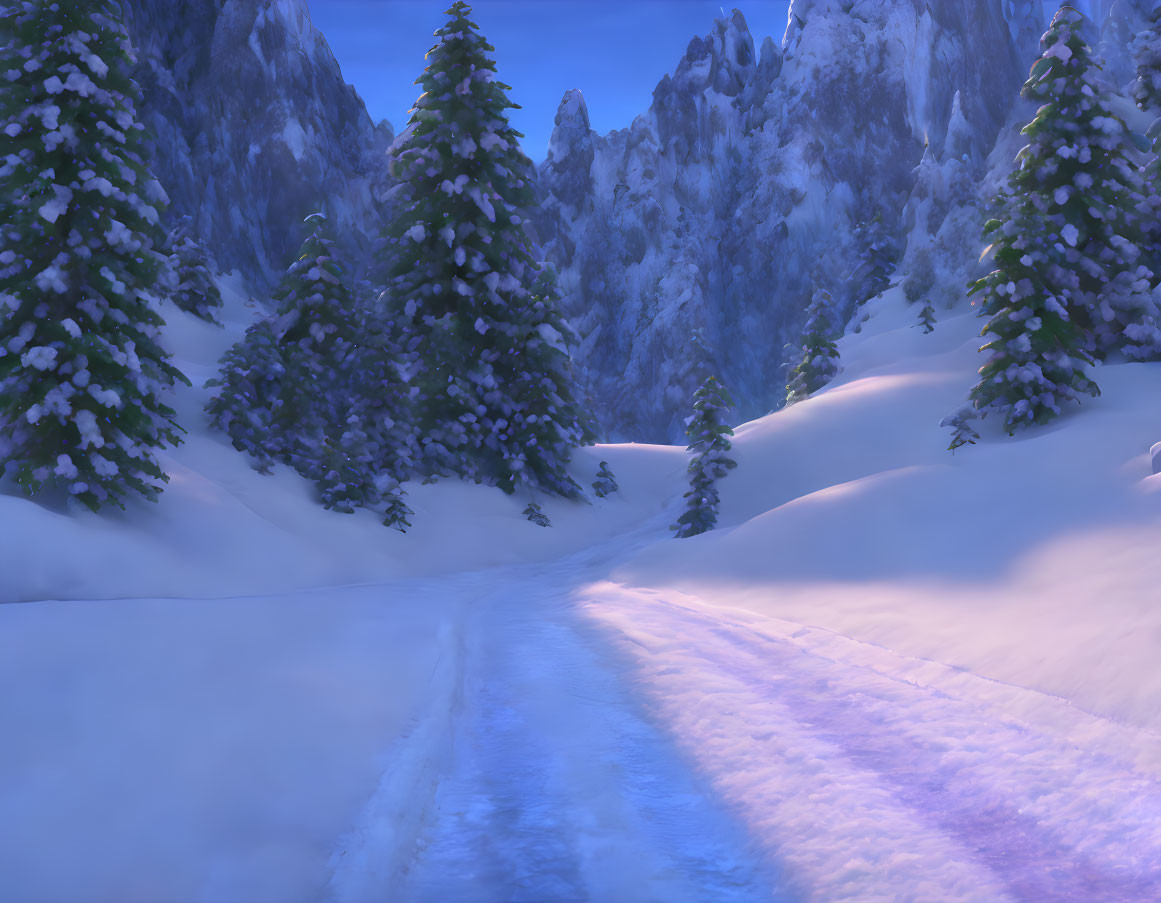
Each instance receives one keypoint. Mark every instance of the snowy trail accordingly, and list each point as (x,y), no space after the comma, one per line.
(875,777)
(550,785)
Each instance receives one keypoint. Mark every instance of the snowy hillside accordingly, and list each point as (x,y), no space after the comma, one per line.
(889,673)
(225,531)
(884,648)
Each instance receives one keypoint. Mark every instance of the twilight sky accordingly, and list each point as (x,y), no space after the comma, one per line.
(615,51)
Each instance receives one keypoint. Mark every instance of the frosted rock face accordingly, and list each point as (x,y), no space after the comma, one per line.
(688,241)
(253,127)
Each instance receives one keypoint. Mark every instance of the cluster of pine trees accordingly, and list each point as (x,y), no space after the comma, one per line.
(468,376)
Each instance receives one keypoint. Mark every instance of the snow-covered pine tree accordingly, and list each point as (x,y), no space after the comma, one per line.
(606,483)
(248,408)
(960,423)
(818,364)
(495,399)
(1036,337)
(81,371)
(317,320)
(878,257)
(313,388)
(534,513)
(710,446)
(927,317)
(193,288)
(541,420)
(396,512)
(1080,189)
(347,464)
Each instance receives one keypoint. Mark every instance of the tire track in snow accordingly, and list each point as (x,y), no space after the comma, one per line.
(872,787)
(557,789)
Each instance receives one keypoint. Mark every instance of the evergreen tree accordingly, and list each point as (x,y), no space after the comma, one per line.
(819,362)
(710,446)
(536,515)
(81,370)
(495,400)
(348,463)
(605,484)
(395,509)
(249,407)
(317,388)
(1036,332)
(193,288)
(878,257)
(960,424)
(927,317)
(1079,181)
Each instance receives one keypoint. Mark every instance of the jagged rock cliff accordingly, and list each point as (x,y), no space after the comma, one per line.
(693,237)
(253,127)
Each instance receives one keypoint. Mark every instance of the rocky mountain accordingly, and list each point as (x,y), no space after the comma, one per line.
(253,127)
(695,237)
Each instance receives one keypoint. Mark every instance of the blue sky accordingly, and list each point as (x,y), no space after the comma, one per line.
(615,51)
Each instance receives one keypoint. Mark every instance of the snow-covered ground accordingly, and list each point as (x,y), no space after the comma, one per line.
(893,674)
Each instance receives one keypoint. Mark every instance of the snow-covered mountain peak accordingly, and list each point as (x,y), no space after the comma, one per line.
(571,126)
(723,60)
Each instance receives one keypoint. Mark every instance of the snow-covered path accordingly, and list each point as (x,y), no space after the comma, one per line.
(539,734)
(874,777)
(546,783)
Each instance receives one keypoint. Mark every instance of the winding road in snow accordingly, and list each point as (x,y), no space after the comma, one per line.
(588,741)
(536,776)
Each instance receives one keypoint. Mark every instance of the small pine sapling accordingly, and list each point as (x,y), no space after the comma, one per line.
(818,363)
(927,317)
(960,424)
(193,288)
(710,446)
(396,513)
(605,484)
(534,514)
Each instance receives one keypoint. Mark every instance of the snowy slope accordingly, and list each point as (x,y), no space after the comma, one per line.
(223,530)
(891,674)
(919,676)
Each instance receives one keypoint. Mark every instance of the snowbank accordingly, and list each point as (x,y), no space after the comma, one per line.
(1030,559)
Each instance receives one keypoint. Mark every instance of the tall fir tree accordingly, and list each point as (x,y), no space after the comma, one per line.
(710,446)
(495,399)
(192,285)
(818,364)
(1050,248)
(82,373)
